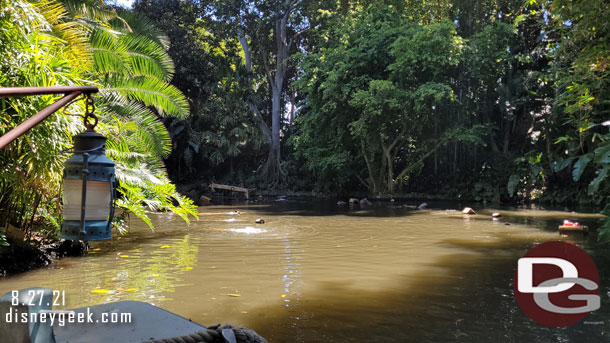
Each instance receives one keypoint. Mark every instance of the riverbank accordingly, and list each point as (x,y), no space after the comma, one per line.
(195,191)
(21,255)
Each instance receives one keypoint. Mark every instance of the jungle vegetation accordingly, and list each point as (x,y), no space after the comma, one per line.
(49,43)
(492,100)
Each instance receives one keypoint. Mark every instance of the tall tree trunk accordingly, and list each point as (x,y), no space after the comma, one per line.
(369,167)
(507,130)
(273,161)
(264,128)
(293,107)
(273,171)
(435,151)
(390,174)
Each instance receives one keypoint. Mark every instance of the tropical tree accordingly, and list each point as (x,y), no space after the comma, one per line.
(385,79)
(30,171)
(582,103)
(88,42)
(270,32)
(220,125)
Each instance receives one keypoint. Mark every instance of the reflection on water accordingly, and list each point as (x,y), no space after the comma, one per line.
(318,273)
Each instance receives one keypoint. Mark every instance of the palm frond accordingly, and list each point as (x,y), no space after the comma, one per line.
(74,34)
(151,135)
(109,56)
(147,57)
(138,176)
(94,9)
(129,21)
(167,99)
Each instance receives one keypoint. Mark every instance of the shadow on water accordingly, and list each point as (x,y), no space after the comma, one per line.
(385,208)
(463,297)
(317,208)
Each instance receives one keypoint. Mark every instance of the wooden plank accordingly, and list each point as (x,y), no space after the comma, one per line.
(230,188)
(580,228)
(215,186)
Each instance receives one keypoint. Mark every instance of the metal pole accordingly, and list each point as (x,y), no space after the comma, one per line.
(71,93)
(31,91)
(24,127)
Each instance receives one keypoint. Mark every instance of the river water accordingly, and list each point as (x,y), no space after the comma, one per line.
(315,272)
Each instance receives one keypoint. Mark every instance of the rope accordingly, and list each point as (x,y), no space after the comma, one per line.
(216,334)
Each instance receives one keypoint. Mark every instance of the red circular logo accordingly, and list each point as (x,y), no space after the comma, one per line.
(556,284)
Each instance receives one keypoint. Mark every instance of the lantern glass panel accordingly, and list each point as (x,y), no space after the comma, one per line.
(98,199)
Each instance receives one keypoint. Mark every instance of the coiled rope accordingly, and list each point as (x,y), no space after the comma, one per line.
(216,334)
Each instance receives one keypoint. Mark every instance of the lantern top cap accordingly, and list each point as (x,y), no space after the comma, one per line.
(89,141)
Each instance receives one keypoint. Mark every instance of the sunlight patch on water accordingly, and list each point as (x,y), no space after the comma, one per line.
(248,230)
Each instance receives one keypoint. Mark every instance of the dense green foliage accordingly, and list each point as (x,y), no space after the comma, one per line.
(494,100)
(220,126)
(49,43)
(386,106)
(498,100)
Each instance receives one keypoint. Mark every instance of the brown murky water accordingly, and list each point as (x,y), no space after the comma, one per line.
(317,273)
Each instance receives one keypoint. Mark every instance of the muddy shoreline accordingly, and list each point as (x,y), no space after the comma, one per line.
(21,256)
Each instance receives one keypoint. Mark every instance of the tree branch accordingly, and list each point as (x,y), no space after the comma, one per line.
(261,122)
(397,139)
(295,36)
(268,71)
(246,47)
(368,166)
(421,160)
(363,182)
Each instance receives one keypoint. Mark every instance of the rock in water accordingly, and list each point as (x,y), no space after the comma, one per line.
(496,215)
(422,206)
(365,202)
(468,210)
(260,221)
(204,201)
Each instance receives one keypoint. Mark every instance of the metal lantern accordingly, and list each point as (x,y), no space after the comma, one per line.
(88,190)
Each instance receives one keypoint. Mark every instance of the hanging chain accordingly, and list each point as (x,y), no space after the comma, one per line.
(90,113)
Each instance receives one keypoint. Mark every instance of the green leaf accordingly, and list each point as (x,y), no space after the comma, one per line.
(563,139)
(3,241)
(580,165)
(535,169)
(604,229)
(595,183)
(562,164)
(513,181)
(602,153)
